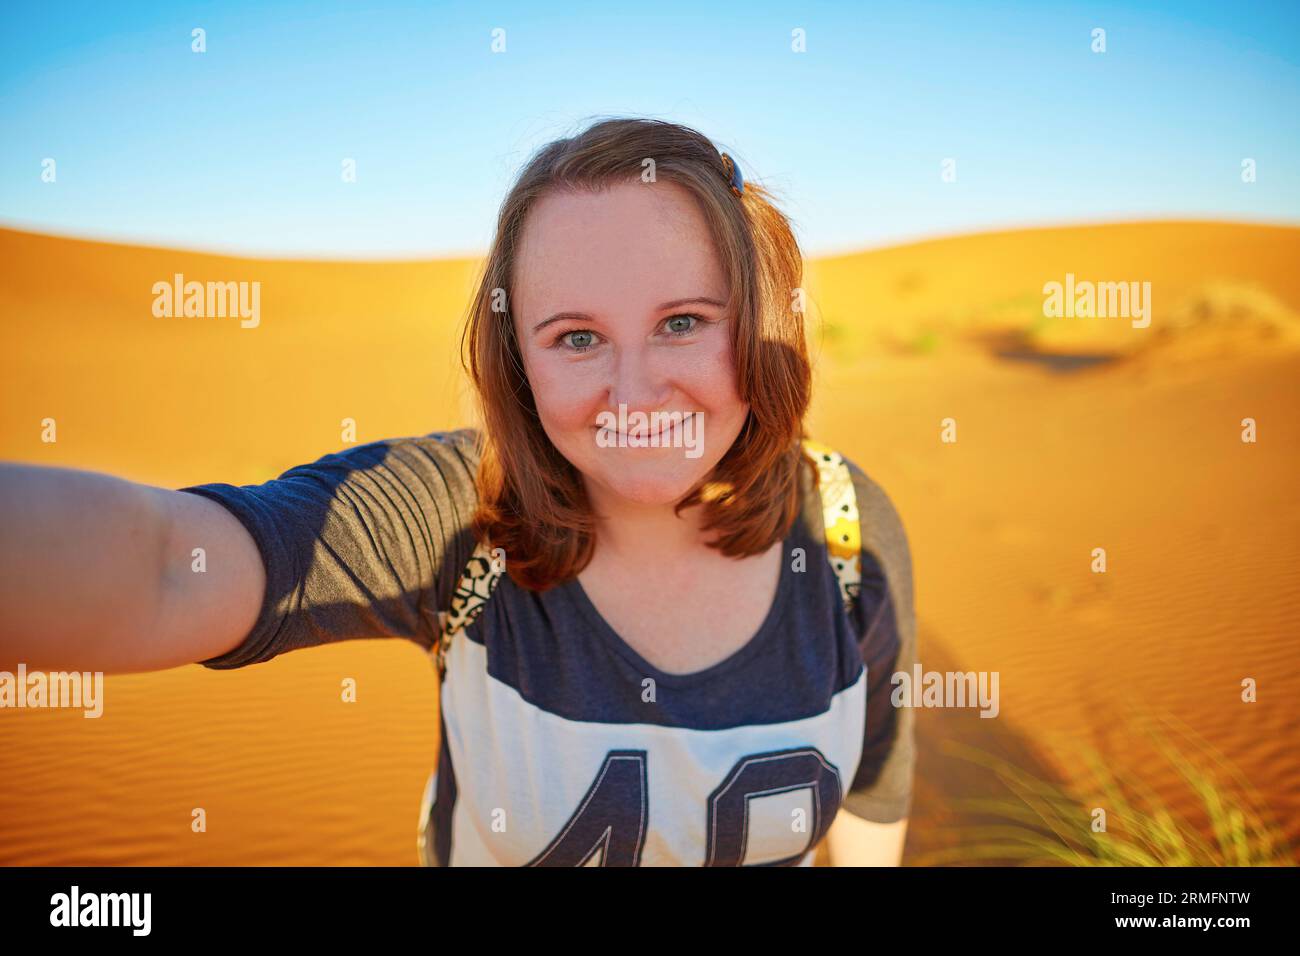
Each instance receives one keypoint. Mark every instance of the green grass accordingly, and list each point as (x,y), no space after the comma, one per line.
(924,342)
(1043,824)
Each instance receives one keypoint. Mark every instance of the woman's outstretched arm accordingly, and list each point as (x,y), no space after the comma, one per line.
(102,574)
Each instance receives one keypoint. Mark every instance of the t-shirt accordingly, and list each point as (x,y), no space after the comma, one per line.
(560,744)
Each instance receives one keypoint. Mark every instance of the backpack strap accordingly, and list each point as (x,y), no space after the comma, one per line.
(477,582)
(839,517)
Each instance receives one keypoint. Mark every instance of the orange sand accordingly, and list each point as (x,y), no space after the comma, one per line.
(1140,455)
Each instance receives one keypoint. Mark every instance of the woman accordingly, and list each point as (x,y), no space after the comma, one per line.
(664,621)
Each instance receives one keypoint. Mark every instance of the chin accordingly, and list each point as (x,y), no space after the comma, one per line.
(647,482)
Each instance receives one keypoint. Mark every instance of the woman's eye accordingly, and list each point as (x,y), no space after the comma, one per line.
(578,340)
(681,324)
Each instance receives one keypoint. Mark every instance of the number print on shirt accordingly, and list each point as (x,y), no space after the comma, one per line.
(610,822)
(731,806)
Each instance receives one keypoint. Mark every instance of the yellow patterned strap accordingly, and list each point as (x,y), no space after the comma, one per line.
(843,541)
(840,518)
(477,582)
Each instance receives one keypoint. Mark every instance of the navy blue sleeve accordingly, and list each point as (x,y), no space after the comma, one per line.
(882,788)
(366,542)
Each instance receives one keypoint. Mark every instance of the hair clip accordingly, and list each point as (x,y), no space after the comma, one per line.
(733,175)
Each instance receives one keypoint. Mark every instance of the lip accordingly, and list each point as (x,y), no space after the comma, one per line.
(637,435)
(665,429)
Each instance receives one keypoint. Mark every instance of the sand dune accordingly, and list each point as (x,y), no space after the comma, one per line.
(1072,434)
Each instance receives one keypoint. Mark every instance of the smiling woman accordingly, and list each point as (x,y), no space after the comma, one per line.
(589,245)
(648,657)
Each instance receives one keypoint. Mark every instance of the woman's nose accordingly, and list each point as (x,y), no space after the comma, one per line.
(637,381)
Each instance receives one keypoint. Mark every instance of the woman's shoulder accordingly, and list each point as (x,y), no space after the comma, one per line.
(873,500)
(432,467)
(883,540)
(463,440)
(463,445)
(881,525)
(447,456)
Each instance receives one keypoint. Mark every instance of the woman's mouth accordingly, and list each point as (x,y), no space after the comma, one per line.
(663,430)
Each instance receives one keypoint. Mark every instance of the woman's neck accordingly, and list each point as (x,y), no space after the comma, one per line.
(644,532)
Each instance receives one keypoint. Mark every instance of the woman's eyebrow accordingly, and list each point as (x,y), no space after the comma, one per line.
(585,317)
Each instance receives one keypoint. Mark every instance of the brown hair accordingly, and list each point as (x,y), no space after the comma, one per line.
(532,502)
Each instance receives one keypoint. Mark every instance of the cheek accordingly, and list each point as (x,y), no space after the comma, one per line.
(563,394)
(709,376)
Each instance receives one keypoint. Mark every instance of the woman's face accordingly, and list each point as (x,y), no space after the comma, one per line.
(619,300)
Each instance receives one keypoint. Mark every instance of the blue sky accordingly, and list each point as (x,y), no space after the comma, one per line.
(240,148)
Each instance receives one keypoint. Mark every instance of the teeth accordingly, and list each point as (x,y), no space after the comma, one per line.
(666,430)
(683,431)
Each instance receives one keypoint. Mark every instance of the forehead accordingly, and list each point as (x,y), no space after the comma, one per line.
(618,248)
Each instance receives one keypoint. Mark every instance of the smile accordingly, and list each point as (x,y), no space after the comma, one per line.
(676,430)
(637,435)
